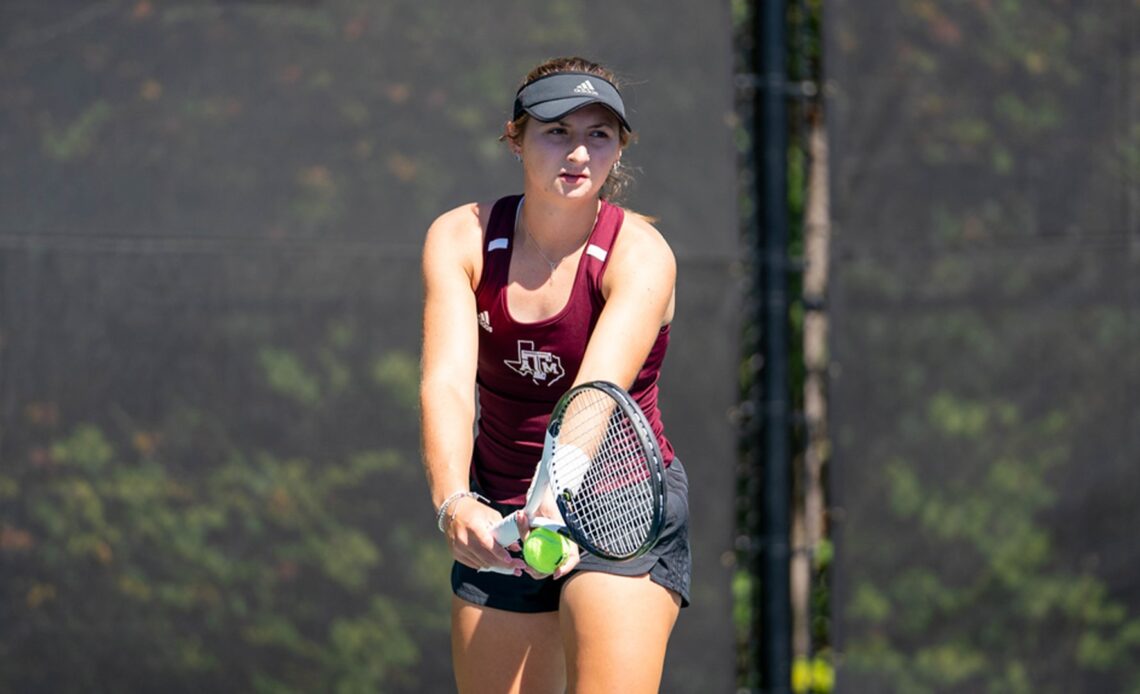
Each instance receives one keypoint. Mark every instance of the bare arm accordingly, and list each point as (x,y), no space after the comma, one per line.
(639,289)
(452,253)
(447,381)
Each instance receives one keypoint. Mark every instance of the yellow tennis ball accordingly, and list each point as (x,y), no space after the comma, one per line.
(544,550)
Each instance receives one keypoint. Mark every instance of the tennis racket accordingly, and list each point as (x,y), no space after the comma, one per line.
(601,462)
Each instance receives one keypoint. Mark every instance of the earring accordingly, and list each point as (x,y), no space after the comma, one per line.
(518,156)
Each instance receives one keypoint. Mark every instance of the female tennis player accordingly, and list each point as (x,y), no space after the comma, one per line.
(525,297)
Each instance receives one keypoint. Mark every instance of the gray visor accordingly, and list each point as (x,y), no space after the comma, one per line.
(553,96)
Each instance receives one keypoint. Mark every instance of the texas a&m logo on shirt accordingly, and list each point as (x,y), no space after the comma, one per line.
(543,368)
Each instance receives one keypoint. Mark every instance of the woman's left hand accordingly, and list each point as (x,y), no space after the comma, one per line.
(573,555)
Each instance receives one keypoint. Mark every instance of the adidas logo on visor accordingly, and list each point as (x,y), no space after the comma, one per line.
(586,88)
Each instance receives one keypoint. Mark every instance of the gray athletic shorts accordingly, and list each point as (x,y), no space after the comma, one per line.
(669,563)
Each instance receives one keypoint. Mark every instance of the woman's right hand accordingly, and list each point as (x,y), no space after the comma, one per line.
(471,534)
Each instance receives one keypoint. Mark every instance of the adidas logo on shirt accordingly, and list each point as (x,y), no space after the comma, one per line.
(485,321)
(586,88)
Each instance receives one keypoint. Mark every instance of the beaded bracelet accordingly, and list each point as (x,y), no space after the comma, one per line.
(451,500)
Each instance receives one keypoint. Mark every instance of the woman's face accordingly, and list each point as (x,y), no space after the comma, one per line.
(573,156)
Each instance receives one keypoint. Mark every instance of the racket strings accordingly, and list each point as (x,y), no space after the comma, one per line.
(602,471)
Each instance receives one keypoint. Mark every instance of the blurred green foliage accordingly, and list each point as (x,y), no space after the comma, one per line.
(984,176)
(987,340)
(223,563)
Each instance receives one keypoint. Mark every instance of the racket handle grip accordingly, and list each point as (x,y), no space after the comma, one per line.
(507,531)
(498,570)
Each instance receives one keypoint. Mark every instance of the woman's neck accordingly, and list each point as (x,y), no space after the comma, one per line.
(559,229)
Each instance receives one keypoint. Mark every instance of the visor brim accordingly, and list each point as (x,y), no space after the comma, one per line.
(551,97)
(550,111)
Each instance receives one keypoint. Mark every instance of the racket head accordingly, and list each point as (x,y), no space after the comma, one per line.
(606,471)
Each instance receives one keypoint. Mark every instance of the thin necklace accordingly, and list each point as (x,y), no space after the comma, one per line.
(537,247)
(518,223)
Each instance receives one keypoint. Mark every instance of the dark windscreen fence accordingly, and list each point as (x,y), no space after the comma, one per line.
(985,389)
(210,225)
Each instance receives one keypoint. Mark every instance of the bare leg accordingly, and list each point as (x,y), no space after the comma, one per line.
(616,629)
(499,652)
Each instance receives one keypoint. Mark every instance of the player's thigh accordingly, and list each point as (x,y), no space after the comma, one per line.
(616,630)
(497,652)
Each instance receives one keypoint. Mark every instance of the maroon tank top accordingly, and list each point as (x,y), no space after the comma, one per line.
(525,367)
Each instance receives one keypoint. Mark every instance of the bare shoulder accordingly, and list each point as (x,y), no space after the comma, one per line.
(458,231)
(641,243)
(641,270)
(463,224)
(455,241)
